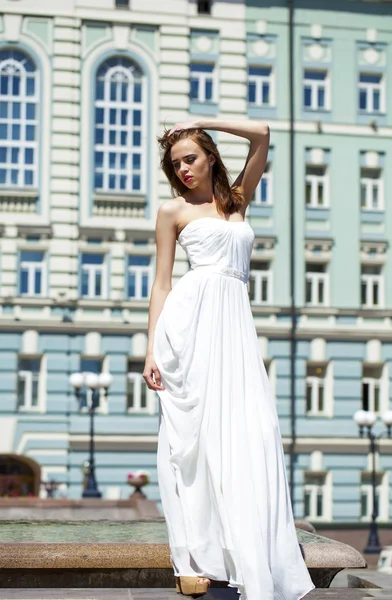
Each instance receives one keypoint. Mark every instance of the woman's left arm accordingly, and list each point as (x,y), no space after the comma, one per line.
(257,132)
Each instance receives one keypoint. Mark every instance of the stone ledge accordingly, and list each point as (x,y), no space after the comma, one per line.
(372,580)
(125,554)
(155,594)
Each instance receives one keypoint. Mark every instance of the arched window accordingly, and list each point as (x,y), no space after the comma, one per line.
(120,100)
(18,119)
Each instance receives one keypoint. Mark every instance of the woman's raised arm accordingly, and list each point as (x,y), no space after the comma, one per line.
(257,132)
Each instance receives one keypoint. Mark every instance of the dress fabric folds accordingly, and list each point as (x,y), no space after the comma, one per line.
(221,465)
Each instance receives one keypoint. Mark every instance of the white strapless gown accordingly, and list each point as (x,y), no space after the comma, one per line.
(221,466)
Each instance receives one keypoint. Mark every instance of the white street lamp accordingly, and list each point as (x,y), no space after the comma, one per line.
(76,380)
(367,418)
(105,380)
(93,382)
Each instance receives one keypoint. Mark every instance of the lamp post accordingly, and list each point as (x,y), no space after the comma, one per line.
(366,419)
(93,383)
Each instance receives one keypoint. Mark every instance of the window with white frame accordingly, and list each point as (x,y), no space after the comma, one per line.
(32,273)
(317,186)
(372,383)
(382,493)
(372,189)
(137,400)
(140,275)
(261,86)
(371,93)
(18,119)
(202,82)
(91,365)
(120,104)
(28,388)
(316,384)
(316,89)
(317,284)
(372,286)
(315,495)
(260,283)
(263,193)
(93,275)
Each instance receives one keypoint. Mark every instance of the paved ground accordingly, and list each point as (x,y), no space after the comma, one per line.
(168,594)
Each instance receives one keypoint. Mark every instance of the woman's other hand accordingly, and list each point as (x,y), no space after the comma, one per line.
(150,369)
(184,125)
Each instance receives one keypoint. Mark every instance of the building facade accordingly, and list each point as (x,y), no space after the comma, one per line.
(85,88)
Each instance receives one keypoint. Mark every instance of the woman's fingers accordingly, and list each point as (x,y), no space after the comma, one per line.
(151,384)
(157,377)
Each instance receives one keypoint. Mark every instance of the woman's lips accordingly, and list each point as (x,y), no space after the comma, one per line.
(187,179)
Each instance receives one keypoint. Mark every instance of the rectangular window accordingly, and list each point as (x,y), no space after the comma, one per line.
(371,387)
(372,189)
(316,90)
(372,286)
(260,283)
(314,495)
(140,276)
(317,284)
(202,82)
(136,387)
(263,194)
(204,7)
(32,273)
(315,388)
(93,276)
(28,383)
(122,3)
(261,86)
(371,93)
(317,186)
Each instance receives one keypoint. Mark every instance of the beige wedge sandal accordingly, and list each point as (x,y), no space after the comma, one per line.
(190,586)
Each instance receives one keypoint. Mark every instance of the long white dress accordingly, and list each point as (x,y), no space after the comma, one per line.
(221,467)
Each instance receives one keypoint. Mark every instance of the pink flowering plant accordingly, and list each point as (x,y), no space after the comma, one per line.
(139,476)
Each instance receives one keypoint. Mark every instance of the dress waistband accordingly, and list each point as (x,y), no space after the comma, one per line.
(216,268)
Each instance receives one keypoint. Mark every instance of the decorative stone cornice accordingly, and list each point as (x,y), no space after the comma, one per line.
(106,234)
(321,244)
(372,248)
(43,231)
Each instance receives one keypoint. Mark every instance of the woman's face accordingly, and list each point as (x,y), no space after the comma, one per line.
(191,164)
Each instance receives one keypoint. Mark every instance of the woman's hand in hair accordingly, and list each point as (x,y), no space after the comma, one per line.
(185,125)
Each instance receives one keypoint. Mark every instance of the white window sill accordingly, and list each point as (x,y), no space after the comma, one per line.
(18,192)
(138,197)
(319,414)
(317,305)
(318,206)
(254,105)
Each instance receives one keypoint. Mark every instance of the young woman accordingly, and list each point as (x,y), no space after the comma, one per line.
(221,467)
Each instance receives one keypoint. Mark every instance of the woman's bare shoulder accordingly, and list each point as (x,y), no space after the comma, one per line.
(172,207)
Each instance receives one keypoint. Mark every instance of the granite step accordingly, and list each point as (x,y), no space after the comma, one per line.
(166,594)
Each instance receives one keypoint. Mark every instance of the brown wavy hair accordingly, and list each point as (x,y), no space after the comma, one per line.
(229,198)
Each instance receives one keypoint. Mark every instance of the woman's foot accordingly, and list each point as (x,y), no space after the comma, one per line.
(192,586)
